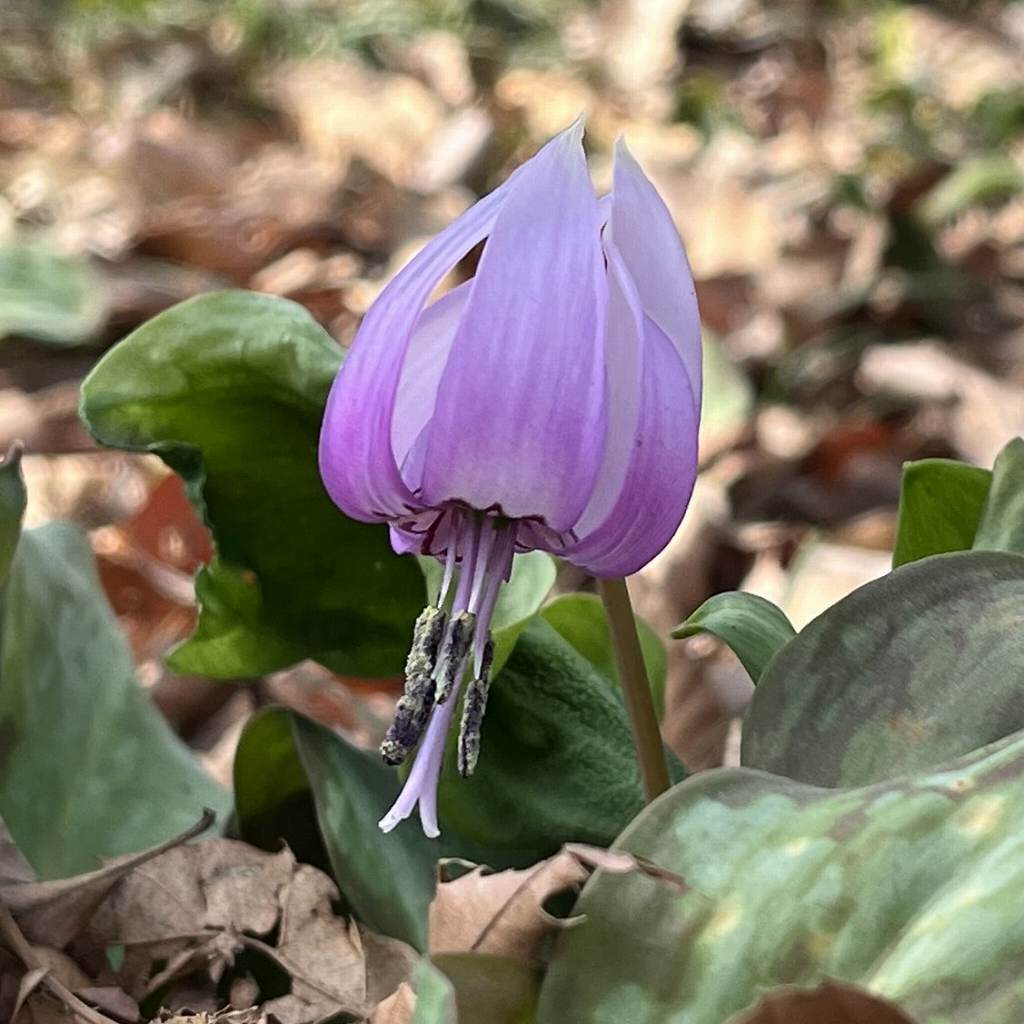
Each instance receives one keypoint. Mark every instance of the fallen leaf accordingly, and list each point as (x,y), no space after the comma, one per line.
(389,964)
(323,954)
(53,913)
(503,912)
(830,1003)
(398,1008)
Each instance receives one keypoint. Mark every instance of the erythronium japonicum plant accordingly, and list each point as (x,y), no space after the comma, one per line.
(551,402)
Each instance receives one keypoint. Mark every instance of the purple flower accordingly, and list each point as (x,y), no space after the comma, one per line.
(550,402)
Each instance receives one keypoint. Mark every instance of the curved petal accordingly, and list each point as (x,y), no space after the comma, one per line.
(421,373)
(357,462)
(624,352)
(644,232)
(662,469)
(519,421)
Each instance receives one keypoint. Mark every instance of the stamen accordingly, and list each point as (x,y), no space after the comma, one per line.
(473,707)
(414,707)
(454,651)
(449,570)
(483,549)
(483,555)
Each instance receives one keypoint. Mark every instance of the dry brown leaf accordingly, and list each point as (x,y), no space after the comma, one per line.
(503,912)
(398,1008)
(190,891)
(29,983)
(252,1015)
(987,412)
(389,964)
(830,1003)
(323,953)
(53,913)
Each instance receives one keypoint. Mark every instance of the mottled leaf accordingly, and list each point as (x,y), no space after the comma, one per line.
(90,768)
(941,502)
(581,619)
(754,629)
(229,389)
(904,673)
(910,889)
(1002,522)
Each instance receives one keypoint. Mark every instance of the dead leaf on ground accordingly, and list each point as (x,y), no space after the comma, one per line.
(503,912)
(182,913)
(398,1008)
(55,912)
(830,1003)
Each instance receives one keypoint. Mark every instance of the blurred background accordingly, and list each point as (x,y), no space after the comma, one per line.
(847,178)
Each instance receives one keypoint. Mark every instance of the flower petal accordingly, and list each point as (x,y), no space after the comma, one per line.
(520,415)
(661,473)
(644,232)
(624,353)
(421,373)
(357,462)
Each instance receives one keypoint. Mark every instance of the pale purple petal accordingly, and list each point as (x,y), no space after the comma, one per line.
(519,420)
(421,373)
(624,348)
(661,473)
(357,462)
(642,229)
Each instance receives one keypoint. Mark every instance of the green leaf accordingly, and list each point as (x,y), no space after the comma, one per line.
(352,790)
(903,674)
(273,799)
(911,888)
(581,619)
(47,296)
(229,389)
(557,761)
(387,879)
(90,769)
(754,629)
(533,576)
(495,989)
(435,996)
(979,179)
(12,507)
(557,765)
(1002,521)
(941,502)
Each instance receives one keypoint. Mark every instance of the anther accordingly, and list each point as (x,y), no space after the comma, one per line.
(454,651)
(473,708)
(414,706)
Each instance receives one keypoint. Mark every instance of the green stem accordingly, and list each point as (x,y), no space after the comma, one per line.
(636,688)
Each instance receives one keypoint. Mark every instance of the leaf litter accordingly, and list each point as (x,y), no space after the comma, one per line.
(173,925)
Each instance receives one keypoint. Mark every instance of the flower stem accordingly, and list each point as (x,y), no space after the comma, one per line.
(635,687)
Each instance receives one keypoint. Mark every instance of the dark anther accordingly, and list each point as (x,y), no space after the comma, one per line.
(416,703)
(454,651)
(473,708)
